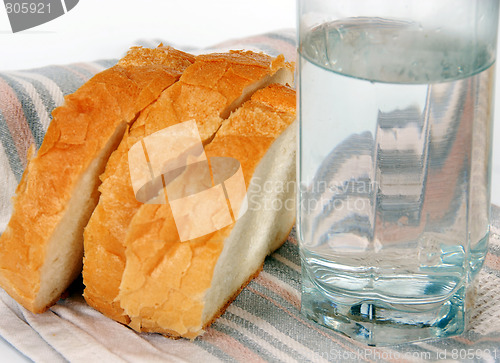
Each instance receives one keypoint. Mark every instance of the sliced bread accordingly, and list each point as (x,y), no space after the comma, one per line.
(41,249)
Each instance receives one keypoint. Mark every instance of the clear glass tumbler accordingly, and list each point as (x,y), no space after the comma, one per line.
(396,108)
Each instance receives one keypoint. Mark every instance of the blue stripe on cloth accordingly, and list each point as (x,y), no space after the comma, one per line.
(43,92)
(244,339)
(65,78)
(491,271)
(29,110)
(106,63)
(288,326)
(281,298)
(9,146)
(289,251)
(212,349)
(267,337)
(82,70)
(283,272)
(494,250)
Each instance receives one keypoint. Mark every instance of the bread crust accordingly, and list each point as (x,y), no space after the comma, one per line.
(165,281)
(175,335)
(206,90)
(136,269)
(79,133)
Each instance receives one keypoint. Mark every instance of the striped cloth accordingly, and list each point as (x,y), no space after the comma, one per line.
(27,99)
(263,324)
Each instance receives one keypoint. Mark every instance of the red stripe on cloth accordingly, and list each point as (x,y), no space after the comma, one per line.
(230,346)
(486,339)
(462,340)
(80,75)
(492,261)
(292,240)
(12,110)
(357,348)
(90,67)
(306,323)
(292,299)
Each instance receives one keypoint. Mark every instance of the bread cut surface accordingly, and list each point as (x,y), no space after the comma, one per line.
(42,247)
(207,92)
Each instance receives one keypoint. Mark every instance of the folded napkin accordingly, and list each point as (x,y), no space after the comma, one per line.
(263,324)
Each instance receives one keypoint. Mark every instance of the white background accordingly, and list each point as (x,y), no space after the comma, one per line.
(97,29)
(100,29)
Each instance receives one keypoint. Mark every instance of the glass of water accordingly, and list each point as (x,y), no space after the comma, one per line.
(396,108)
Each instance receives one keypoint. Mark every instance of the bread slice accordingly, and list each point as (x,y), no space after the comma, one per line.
(41,249)
(207,92)
(177,287)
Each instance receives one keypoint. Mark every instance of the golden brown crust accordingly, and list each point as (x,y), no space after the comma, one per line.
(156,260)
(267,114)
(175,335)
(163,56)
(136,269)
(79,131)
(205,90)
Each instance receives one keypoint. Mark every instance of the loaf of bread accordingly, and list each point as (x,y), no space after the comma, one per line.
(210,94)
(208,91)
(179,287)
(41,249)
(154,177)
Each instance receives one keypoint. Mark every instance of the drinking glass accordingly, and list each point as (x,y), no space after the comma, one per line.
(395,103)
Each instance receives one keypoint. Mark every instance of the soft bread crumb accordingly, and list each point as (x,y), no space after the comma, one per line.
(41,250)
(212,86)
(65,247)
(178,288)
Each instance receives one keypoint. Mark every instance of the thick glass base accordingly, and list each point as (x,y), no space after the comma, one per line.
(378,323)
